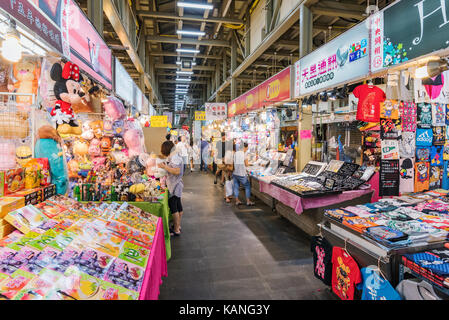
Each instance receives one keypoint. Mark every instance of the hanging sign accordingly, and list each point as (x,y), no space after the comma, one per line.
(216,111)
(37,17)
(275,89)
(87,48)
(200,115)
(389,178)
(237,106)
(410,29)
(159,121)
(343,59)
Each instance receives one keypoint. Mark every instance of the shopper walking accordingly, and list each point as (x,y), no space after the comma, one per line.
(204,154)
(240,176)
(194,153)
(221,147)
(183,151)
(175,170)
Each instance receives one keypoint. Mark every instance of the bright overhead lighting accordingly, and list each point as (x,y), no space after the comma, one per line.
(11,48)
(191,33)
(184,72)
(195,5)
(188,50)
(179,62)
(184,79)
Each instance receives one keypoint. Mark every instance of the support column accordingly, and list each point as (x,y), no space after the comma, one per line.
(304,152)
(225,65)
(233,67)
(268,17)
(217,75)
(305,31)
(95,14)
(247,34)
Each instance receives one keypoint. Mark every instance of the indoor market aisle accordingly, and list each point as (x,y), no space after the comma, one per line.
(227,253)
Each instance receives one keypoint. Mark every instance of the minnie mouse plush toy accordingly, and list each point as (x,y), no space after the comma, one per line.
(67,91)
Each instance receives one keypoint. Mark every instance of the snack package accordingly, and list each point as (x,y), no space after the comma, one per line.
(32,174)
(39,287)
(45,171)
(125,274)
(27,218)
(135,254)
(50,209)
(8,204)
(13,180)
(10,286)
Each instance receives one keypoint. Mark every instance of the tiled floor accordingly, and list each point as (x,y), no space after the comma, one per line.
(230,253)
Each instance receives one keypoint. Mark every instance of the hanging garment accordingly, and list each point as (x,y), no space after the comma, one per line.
(375,287)
(406,175)
(408,114)
(370,97)
(345,274)
(322,259)
(407,142)
(414,289)
(424,119)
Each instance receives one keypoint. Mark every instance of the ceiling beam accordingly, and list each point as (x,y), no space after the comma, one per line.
(175,66)
(162,39)
(205,75)
(170,16)
(180,82)
(344,13)
(172,54)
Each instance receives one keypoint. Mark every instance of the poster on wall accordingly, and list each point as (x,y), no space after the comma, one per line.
(343,59)
(216,111)
(87,48)
(389,178)
(39,16)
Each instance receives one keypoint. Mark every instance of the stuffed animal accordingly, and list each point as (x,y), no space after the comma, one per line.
(81,149)
(94,148)
(117,128)
(48,147)
(134,141)
(67,91)
(107,128)
(98,163)
(73,168)
(119,157)
(114,108)
(97,127)
(105,146)
(23,155)
(26,72)
(88,132)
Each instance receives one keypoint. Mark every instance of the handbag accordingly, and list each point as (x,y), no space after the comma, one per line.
(229,186)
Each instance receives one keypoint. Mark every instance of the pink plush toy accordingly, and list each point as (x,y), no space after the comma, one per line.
(134,141)
(150,166)
(8,156)
(99,163)
(114,108)
(94,148)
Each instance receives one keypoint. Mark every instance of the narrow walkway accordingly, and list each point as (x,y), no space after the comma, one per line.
(230,253)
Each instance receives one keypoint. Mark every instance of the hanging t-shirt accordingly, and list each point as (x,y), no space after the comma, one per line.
(438,114)
(413,289)
(322,259)
(424,119)
(445,183)
(424,137)
(389,109)
(434,89)
(435,177)
(375,287)
(439,135)
(408,112)
(407,145)
(436,156)
(406,175)
(345,274)
(421,176)
(370,97)
(423,154)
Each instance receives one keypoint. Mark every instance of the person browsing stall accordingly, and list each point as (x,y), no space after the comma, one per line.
(240,175)
(175,170)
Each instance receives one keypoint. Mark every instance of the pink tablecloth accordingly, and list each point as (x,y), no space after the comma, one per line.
(300,204)
(157,266)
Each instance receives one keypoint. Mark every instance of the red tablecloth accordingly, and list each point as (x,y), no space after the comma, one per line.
(300,204)
(157,266)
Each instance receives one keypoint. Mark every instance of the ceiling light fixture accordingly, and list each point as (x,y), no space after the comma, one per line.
(184,72)
(179,63)
(431,69)
(184,79)
(11,48)
(195,5)
(191,33)
(188,50)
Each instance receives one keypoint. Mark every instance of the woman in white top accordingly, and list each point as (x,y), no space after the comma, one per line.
(181,147)
(240,175)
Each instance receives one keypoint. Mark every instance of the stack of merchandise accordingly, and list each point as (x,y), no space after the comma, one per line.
(399,221)
(66,250)
(320,179)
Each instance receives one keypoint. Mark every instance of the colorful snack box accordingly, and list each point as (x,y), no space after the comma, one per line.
(8,204)
(27,218)
(125,274)
(135,254)
(50,209)
(32,196)
(13,180)
(10,286)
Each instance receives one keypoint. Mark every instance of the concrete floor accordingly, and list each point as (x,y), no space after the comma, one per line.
(229,253)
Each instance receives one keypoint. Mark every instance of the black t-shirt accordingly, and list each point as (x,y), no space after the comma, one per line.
(322,259)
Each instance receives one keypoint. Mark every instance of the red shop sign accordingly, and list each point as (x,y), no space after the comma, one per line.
(87,48)
(32,14)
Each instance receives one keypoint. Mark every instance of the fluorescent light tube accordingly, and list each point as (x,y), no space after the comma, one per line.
(195,5)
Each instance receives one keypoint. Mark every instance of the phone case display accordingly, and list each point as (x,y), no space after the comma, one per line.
(314,168)
(75,251)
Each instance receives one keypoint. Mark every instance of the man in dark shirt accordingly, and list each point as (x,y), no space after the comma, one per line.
(221,151)
(204,154)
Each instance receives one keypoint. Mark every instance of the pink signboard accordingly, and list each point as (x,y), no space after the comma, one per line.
(87,48)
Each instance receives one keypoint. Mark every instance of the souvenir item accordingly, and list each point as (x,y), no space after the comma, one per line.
(134,141)
(445,182)
(23,155)
(407,175)
(390,129)
(423,154)
(408,116)
(390,149)
(114,108)
(424,137)
(12,180)
(375,287)
(435,177)
(88,132)
(26,75)
(424,115)
(421,176)
(32,174)
(94,148)
(436,156)
(407,145)
(389,109)
(438,114)
(358,223)
(385,234)
(338,214)
(108,130)
(322,259)
(44,171)
(97,128)
(446,150)
(439,135)
(67,91)
(345,274)
(370,97)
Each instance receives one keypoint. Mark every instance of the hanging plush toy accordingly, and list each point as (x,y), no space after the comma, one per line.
(47,146)
(81,149)
(117,128)
(94,148)
(114,108)
(134,141)
(67,91)
(88,132)
(97,128)
(108,130)
(105,146)
(26,72)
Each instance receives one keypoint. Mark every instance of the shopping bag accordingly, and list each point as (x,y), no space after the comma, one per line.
(228,187)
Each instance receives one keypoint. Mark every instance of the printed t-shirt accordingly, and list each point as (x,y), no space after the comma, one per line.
(322,259)
(375,287)
(345,274)
(370,97)
(411,289)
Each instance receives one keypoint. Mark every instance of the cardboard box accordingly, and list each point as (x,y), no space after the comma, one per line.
(8,204)
(32,196)
(13,180)
(48,191)
(6,230)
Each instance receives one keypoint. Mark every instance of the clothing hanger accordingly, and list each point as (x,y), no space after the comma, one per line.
(370,82)
(379,270)
(345,247)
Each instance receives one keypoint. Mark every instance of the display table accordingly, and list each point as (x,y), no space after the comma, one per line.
(161,210)
(305,213)
(156,267)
